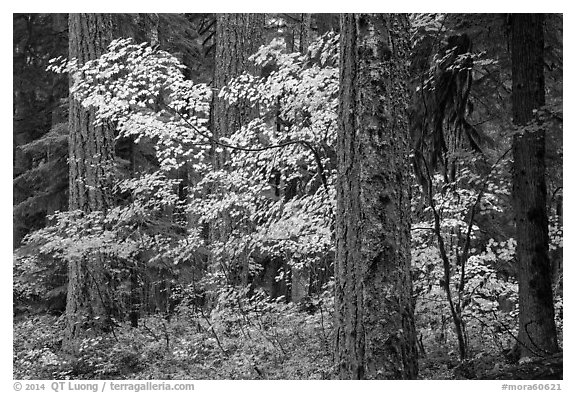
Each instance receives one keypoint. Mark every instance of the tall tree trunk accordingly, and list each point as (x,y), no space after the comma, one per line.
(305,32)
(374,308)
(301,274)
(91,157)
(537,330)
(59,90)
(238,36)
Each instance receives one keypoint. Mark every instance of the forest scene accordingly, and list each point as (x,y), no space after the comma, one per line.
(262,196)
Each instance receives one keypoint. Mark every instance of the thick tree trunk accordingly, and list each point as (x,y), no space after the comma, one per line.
(238,36)
(305,32)
(374,308)
(91,147)
(301,275)
(91,159)
(537,330)
(300,283)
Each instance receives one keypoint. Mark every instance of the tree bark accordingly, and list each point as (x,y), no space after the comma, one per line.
(537,330)
(238,36)
(91,160)
(305,32)
(301,275)
(374,308)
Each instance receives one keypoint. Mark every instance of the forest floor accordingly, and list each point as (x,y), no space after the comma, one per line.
(182,348)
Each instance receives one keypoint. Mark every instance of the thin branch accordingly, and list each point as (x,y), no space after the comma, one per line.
(224,351)
(422,228)
(556,190)
(320,167)
(446,264)
(466,248)
(507,328)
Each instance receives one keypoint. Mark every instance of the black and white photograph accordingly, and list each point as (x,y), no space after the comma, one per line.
(286,196)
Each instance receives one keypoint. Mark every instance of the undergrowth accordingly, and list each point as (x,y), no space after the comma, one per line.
(263,340)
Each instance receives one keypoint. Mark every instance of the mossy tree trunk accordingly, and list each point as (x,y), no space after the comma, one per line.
(375,335)
(91,159)
(537,329)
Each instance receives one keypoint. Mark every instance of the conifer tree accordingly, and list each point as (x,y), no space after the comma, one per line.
(376,337)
